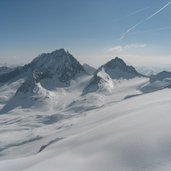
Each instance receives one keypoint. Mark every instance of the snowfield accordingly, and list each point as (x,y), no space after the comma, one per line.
(130,135)
(56,116)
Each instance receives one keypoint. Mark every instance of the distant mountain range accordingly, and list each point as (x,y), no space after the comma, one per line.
(152,70)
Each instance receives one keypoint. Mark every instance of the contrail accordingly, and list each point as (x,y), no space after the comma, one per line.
(129,30)
(138,11)
(132,14)
(148,18)
(161,9)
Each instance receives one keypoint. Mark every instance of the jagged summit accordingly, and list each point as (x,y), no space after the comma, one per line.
(56,61)
(115,62)
(114,69)
(117,68)
(56,54)
(59,62)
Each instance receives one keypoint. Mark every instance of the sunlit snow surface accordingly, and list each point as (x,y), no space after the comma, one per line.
(123,130)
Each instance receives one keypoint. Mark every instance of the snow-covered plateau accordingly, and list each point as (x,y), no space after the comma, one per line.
(54,116)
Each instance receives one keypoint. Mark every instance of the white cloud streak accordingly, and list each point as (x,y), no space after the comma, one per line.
(138,11)
(148,18)
(129,30)
(116,49)
(160,10)
(135,46)
(121,48)
(132,14)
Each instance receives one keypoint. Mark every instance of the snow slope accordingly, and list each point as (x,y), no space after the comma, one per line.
(45,117)
(7,91)
(131,135)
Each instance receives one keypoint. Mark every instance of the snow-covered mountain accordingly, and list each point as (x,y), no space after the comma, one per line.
(52,70)
(115,69)
(57,116)
(58,63)
(44,74)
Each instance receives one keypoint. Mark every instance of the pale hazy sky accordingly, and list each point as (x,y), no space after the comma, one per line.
(94,31)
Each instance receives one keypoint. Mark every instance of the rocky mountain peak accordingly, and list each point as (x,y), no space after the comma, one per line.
(116,62)
(59,62)
(115,69)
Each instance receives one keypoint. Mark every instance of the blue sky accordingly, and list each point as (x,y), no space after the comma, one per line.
(94,31)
